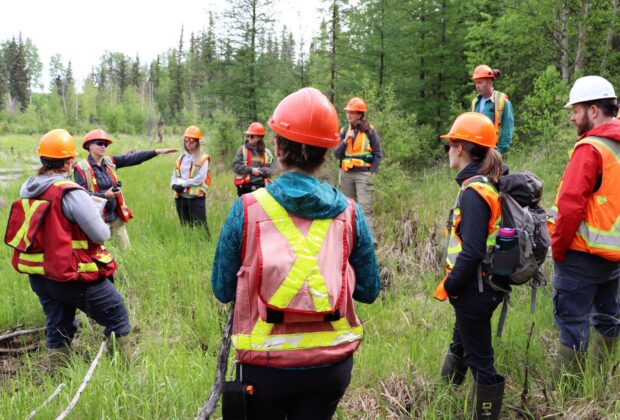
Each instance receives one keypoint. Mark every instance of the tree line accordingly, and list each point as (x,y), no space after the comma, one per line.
(410,59)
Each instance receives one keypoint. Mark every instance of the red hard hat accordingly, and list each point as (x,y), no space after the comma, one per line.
(96,134)
(483,72)
(307,117)
(356,105)
(256,129)
(475,128)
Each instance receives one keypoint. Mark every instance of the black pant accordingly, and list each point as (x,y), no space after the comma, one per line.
(296,394)
(193,211)
(244,189)
(472,336)
(98,299)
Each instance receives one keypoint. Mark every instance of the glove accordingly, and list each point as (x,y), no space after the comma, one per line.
(178,188)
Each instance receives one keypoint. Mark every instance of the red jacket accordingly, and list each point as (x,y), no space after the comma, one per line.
(581,176)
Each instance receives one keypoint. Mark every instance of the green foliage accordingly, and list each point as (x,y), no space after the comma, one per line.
(541,115)
(224,136)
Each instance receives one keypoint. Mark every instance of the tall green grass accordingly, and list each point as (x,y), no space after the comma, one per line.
(165,280)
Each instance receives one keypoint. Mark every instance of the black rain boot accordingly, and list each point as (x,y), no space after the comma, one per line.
(603,349)
(453,370)
(488,399)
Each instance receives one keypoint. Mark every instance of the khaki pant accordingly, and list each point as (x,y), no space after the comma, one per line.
(359,187)
(119,233)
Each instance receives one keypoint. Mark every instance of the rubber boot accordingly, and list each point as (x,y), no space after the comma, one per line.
(453,370)
(569,361)
(603,348)
(58,358)
(488,399)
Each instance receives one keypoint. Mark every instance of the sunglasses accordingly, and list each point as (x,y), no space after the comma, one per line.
(189,139)
(447,146)
(102,143)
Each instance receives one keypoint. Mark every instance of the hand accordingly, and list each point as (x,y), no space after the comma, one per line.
(351,134)
(256,172)
(165,151)
(178,188)
(111,194)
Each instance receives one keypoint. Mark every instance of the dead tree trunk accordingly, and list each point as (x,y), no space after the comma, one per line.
(580,56)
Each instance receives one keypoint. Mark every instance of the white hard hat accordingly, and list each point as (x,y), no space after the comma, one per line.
(590,88)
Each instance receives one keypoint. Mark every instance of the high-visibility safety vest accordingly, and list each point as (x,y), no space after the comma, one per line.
(47,244)
(200,190)
(489,194)
(294,302)
(86,170)
(266,159)
(358,152)
(499,103)
(599,232)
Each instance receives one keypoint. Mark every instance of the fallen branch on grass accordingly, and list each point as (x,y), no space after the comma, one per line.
(46,402)
(220,373)
(89,374)
(21,349)
(22,332)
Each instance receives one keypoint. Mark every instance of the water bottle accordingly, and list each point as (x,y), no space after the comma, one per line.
(506,256)
(506,239)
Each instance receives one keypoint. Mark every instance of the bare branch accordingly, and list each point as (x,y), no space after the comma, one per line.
(46,402)
(220,373)
(89,374)
(22,332)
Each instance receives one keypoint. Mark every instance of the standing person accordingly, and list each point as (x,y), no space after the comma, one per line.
(473,226)
(191,180)
(58,236)
(97,173)
(583,223)
(359,152)
(293,255)
(253,163)
(494,104)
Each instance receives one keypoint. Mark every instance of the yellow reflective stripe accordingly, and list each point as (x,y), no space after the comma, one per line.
(306,267)
(38,258)
(87,267)
(104,258)
(257,341)
(27,269)
(22,233)
(79,244)
(62,182)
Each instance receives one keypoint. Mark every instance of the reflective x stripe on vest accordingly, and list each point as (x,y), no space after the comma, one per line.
(599,232)
(357,152)
(306,267)
(22,238)
(499,103)
(304,270)
(490,195)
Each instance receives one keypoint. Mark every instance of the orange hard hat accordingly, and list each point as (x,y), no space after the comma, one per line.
(356,105)
(473,127)
(57,144)
(256,129)
(483,72)
(193,132)
(307,117)
(96,134)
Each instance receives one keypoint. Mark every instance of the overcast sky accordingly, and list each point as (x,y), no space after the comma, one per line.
(81,31)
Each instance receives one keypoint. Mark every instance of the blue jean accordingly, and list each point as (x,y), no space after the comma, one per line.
(585,293)
(99,300)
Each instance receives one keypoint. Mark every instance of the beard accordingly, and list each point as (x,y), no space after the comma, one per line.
(584,125)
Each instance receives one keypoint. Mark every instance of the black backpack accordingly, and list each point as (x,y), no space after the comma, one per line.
(520,195)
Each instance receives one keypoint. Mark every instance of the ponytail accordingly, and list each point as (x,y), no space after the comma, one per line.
(492,165)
